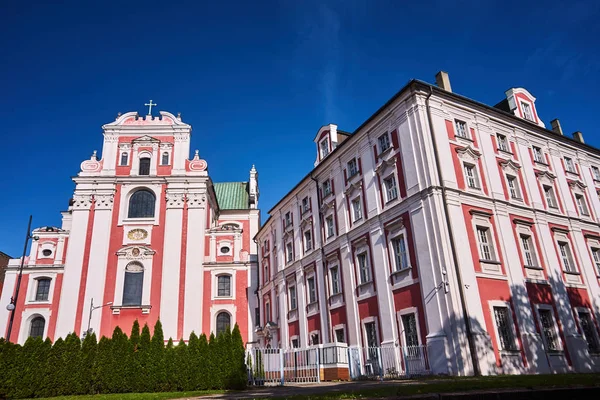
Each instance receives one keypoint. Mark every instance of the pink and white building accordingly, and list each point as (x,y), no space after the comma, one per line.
(147,231)
(441,222)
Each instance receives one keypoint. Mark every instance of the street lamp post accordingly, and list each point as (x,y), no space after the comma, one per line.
(92,308)
(13,300)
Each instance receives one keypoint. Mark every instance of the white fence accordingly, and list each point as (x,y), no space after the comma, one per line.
(388,362)
(275,366)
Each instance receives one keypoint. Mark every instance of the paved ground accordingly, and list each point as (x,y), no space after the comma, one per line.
(308,389)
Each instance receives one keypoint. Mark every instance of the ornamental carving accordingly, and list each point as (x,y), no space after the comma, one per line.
(196,200)
(137,234)
(175,200)
(104,201)
(82,202)
(136,253)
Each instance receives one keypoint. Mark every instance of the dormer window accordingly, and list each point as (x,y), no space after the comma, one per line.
(502,143)
(527,114)
(569,166)
(384,142)
(326,188)
(352,167)
(324,148)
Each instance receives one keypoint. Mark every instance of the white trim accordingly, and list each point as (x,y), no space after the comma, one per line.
(507,305)
(559,342)
(32,287)
(216,309)
(214,275)
(127,191)
(363,323)
(27,316)
(336,328)
(406,311)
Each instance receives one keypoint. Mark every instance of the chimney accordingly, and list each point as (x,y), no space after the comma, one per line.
(443,81)
(556,126)
(578,136)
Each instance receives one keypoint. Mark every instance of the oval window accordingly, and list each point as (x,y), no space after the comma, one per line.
(47,252)
(224,249)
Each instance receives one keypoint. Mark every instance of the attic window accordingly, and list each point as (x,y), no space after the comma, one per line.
(527,114)
(324,148)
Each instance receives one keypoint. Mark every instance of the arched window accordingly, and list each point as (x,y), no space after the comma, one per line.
(144,166)
(223,322)
(134,282)
(141,204)
(124,158)
(165,159)
(224,285)
(37,327)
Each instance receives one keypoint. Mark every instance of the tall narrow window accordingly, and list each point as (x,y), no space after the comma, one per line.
(569,166)
(391,191)
(267,312)
(550,198)
(165,159)
(289,252)
(596,173)
(224,286)
(133,284)
(43,289)
(324,148)
(527,114)
(335,280)
(326,188)
(330,226)
(307,241)
(549,330)
(485,247)
(384,142)
(566,258)
(339,335)
(502,142)
(590,334)
(471,176)
(363,268)
(400,256)
(223,322)
(513,187)
(461,129)
(581,206)
(596,256)
(356,209)
(292,292)
(530,258)
(504,326)
(409,324)
(312,291)
(141,204)
(288,219)
(538,156)
(371,333)
(144,166)
(124,158)
(352,168)
(37,326)
(305,205)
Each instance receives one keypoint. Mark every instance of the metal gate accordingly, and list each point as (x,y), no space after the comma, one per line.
(387,362)
(276,366)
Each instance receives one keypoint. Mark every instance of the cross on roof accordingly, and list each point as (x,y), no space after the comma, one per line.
(150,107)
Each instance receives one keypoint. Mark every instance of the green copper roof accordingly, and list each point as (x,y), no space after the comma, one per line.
(232,195)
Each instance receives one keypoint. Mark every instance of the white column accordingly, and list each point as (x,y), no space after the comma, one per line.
(109,153)
(181,152)
(169,299)
(194,269)
(96,276)
(10,280)
(69,296)
(60,251)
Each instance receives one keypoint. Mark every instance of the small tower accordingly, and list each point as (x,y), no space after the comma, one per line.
(253,189)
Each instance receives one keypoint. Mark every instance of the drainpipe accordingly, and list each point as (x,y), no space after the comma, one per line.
(463,303)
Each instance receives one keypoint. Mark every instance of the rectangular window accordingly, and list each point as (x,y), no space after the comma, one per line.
(527,114)
(485,246)
(339,335)
(324,148)
(530,258)
(409,324)
(566,258)
(305,205)
(590,334)
(330,226)
(307,241)
(312,291)
(384,142)
(289,252)
(596,257)
(124,157)
(363,268)
(569,166)
(471,176)
(295,343)
(43,289)
(461,129)
(391,191)
(352,168)
(371,333)
(336,288)
(596,173)
(538,156)
(513,187)
(267,312)
(549,330)
(505,331)
(164,159)
(224,286)
(144,166)
(326,188)
(356,209)
(581,206)
(549,194)
(292,291)
(502,143)
(400,255)
(288,219)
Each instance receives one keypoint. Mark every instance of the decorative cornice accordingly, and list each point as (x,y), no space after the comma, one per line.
(559,229)
(196,200)
(82,201)
(481,213)
(519,221)
(104,201)
(175,200)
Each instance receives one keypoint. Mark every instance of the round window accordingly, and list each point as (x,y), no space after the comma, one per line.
(47,252)
(224,249)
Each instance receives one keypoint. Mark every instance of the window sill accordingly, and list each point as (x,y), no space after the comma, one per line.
(517,199)
(468,139)
(387,151)
(391,200)
(145,308)
(511,352)
(38,302)
(509,153)
(535,267)
(491,262)
(401,271)
(223,298)
(572,272)
(139,220)
(540,163)
(361,285)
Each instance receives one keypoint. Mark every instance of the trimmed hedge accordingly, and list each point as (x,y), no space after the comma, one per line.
(140,363)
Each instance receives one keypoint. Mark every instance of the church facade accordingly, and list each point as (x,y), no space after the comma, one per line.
(147,235)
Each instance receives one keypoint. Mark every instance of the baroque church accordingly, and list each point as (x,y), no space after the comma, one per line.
(147,235)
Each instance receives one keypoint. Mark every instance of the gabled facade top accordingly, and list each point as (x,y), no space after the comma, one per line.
(521,103)
(327,139)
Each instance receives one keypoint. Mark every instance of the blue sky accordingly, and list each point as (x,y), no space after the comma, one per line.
(257,79)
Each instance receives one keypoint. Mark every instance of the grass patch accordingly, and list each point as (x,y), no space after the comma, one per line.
(137,396)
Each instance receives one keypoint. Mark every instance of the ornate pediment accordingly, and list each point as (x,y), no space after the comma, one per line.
(135,252)
(353,186)
(510,166)
(384,164)
(468,154)
(577,185)
(145,140)
(545,177)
